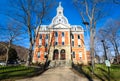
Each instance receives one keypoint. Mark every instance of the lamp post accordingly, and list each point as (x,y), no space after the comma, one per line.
(106,59)
(103,42)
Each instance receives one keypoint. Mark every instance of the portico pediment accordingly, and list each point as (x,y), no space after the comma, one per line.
(61,26)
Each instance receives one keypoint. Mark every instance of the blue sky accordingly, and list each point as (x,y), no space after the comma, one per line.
(69,11)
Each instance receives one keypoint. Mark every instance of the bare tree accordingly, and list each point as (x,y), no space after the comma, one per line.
(91,11)
(116,2)
(31,13)
(111,33)
(11,33)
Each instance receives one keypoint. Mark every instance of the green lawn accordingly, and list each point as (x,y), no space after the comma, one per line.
(100,72)
(10,72)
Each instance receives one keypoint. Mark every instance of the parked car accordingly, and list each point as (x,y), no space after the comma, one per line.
(2,63)
(12,62)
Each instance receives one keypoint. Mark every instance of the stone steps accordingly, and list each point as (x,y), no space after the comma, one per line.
(59,63)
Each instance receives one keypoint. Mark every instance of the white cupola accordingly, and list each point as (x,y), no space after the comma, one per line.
(60,9)
(60,18)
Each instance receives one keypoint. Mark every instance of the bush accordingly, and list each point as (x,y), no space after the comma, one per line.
(12,54)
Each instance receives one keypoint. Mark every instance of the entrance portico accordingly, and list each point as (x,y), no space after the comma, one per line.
(59,54)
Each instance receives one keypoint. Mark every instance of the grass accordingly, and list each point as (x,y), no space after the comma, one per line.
(10,72)
(100,72)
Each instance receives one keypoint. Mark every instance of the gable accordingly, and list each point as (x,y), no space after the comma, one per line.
(61,26)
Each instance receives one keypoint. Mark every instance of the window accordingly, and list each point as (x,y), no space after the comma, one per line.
(63,39)
(80,54)
(72,43)
(40,42)
(72,36)
(78,36)
(56,43)
(59,19)
(45,54)
(73,54)
(59,12)
(46,36)
(40,36)
(78,45)
(46,45)
(56,34)
(62,43)
(62,34)
(38,54)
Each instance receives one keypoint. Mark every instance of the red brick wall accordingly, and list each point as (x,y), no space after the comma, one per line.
(76,49)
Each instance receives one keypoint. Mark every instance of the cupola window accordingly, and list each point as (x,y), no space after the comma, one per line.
(59,12)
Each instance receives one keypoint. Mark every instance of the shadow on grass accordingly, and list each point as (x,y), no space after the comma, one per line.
(106,75)
(99,73)
(81,71)
(23,73)
(96,75)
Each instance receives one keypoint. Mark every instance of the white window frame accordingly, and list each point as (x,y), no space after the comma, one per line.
(40,41)
(80,54)
(63,39)
(38,55)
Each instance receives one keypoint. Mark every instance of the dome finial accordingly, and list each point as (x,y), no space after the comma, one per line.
(59,3)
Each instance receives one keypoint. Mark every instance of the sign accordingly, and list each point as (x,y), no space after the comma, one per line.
(107,62)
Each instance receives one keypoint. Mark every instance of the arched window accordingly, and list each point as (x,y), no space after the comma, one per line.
(62,54)
(62,51)
(55,54)
(78,36)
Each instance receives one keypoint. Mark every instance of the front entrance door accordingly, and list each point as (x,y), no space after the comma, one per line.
(62,54)
(55,54)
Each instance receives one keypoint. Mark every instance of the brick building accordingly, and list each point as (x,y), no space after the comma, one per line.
(60,41)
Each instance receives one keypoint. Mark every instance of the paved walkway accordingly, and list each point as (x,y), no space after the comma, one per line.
(57,74)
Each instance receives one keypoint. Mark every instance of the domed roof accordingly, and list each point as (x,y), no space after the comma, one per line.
(59,18)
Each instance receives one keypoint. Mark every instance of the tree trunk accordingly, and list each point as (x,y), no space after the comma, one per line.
(92,32)
(116,52)
(29,58)
(7,54)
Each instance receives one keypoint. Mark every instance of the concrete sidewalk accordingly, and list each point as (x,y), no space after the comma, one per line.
(57,74)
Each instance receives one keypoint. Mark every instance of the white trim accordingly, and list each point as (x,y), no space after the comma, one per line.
(79,32)
(79,42)
(41,32)
(63,39)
